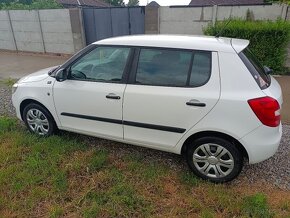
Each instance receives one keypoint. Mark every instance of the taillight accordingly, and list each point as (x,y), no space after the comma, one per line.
(267,109)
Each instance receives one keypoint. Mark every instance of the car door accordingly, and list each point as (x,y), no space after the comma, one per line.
(90,100)
(169,91)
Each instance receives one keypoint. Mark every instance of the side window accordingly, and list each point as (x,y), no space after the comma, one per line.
(163,67)
(104,64)
(201,68)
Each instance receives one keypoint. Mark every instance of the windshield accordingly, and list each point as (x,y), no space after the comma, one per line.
(255,68)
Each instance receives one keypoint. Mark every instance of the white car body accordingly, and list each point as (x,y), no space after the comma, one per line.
(227,111)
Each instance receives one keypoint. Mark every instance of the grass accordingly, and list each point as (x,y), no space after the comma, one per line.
(8,82)
(64,176)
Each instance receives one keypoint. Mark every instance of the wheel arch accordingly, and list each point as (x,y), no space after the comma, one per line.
(198,135)
(26,102)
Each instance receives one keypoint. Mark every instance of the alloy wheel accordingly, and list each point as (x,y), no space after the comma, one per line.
(37,121)
(213,160)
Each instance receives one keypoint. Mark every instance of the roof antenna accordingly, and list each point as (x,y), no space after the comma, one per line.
(222,29)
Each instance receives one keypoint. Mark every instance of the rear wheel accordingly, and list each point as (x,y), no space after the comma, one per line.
(214,159)
(38,120)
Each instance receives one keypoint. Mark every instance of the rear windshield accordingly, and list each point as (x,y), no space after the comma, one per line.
(256,68)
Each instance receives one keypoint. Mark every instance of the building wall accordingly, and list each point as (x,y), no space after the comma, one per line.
(192,20)
(41,31)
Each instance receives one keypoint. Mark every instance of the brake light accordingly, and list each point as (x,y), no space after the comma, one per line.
(267,109)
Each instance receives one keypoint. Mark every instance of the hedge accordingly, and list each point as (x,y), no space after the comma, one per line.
(268,39)
(31,5)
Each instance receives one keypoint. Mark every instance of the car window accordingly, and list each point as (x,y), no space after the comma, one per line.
(201,69)
(255,68)
(101,64)
(163,67)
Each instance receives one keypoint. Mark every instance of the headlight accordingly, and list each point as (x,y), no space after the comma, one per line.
(14,88)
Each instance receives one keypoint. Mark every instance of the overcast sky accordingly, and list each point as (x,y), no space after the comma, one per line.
(164,2)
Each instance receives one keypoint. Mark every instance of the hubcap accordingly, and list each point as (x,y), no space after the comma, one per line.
(213,160)
(37,122)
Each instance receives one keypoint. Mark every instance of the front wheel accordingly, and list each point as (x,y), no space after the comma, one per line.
(38,120)
(214,159)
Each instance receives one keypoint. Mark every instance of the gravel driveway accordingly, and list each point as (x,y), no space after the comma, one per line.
(274,171)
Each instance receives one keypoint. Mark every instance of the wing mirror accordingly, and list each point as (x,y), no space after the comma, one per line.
(61,75)
(268,70)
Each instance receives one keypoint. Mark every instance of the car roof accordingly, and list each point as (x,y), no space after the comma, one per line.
(207,43)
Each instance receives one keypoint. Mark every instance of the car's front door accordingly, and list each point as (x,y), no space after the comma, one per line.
(170,91)
(90,100)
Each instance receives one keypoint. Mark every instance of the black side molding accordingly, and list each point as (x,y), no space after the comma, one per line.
(127,123)
(92,118)
(153,126)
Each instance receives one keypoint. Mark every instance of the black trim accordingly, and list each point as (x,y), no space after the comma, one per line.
(127,123)
(196,104)
(153,126)
(108,120)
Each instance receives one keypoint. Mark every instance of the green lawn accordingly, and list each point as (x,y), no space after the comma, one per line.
(64,176)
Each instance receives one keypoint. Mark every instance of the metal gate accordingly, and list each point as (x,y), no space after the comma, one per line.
(101,23)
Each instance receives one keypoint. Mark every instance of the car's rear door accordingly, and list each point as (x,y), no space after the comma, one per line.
(90,100)
(169,91)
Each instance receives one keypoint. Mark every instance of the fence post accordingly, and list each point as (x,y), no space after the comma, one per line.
(284,11)
(214,14)
(82,26)
(11,30)
(41,32)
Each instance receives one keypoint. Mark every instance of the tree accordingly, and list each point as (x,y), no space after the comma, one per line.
(133,3)
(116,2)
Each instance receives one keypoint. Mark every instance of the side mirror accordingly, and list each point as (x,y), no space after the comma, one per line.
(61,75)
(268,70)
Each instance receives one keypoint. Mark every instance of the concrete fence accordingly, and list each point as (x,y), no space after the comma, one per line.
(192,20)
(52,31)
(62,30)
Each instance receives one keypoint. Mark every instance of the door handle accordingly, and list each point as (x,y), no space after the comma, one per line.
(113,96)
(195,103)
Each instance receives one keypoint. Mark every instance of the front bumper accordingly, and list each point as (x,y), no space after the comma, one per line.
(16,106)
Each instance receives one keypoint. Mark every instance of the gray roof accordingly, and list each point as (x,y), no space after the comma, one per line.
(224,2)
(94,3)
(153,4)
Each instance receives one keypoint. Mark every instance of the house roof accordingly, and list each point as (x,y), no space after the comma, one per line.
(95,3)
(224,2)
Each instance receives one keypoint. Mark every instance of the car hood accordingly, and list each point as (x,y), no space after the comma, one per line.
(37,76)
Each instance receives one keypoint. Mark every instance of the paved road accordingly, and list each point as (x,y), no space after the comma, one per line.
(15,65)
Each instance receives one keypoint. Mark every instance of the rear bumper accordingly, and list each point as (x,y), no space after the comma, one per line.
(262,143)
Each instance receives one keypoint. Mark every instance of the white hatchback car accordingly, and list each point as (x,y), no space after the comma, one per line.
(205,97)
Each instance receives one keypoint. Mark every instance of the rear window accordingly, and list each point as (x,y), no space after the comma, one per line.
(255,68)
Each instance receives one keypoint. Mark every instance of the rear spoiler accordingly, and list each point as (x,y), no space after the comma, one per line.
(239,44)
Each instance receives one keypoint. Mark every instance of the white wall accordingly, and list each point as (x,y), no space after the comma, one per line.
(6,37)
(192,20)
(38,31)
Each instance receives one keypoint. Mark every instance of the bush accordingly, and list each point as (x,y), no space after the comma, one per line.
(268,39)
(30,5)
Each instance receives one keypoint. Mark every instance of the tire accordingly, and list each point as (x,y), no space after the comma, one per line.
(214,159)
(38,120)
